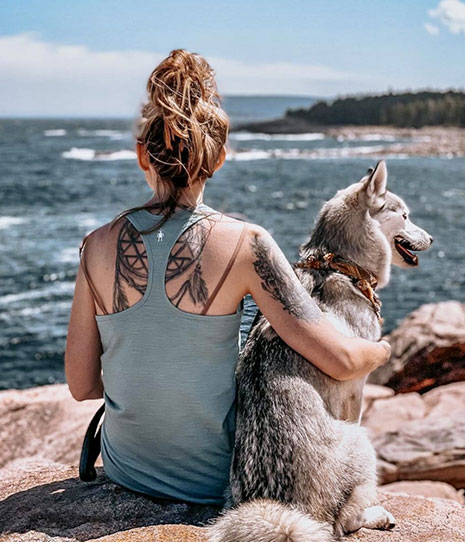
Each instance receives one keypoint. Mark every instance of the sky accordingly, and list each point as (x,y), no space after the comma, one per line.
(93,57)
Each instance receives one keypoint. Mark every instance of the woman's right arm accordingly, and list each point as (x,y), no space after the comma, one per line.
(296,317)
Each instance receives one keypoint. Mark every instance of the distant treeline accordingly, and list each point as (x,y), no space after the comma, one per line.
(407,109)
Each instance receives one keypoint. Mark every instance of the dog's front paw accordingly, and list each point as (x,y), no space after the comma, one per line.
(376,517)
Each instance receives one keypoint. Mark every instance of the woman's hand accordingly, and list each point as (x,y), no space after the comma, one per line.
(366,357)
(296,317)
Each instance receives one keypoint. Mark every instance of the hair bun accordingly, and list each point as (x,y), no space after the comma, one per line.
(182,122)
(176,88)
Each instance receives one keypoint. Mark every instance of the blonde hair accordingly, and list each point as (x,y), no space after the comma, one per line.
(181,125)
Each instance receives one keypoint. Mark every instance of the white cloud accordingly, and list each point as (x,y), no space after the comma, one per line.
(46,78)
(431,29)
(452,14)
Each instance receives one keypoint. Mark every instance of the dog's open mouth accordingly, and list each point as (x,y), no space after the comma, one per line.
(403,247)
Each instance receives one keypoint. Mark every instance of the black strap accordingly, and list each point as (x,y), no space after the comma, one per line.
(91,448)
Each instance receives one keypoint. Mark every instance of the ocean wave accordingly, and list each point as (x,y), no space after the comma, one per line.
(7,221)
(69,255)
(249,136)
(255,154)
(112,134)
(87,220)
(57,288)
(366,137)
(35,313)
(55,132)
(317,154)
(91,155)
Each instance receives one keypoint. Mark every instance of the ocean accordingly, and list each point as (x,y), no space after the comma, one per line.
(61,178)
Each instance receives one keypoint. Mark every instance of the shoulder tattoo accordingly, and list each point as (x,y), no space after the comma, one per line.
(185,261)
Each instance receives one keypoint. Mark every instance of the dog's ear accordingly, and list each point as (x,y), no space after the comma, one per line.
(374,184)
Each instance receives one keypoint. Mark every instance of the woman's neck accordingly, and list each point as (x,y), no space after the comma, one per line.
(190,197)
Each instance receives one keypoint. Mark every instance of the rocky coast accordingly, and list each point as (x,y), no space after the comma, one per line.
(438,141)
(416,421)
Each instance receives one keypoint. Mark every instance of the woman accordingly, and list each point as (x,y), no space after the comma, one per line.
(158,304)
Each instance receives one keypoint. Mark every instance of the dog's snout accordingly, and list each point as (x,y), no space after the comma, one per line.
(431,239)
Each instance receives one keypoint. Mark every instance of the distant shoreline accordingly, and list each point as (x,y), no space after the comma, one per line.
(439,141)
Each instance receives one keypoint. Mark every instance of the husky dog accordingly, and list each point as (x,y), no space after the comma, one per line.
(303,469)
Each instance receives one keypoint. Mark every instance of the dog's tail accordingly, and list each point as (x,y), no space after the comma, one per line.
(265,520)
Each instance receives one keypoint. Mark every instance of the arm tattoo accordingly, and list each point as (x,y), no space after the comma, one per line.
(279,285)
(130,266)
(186,259)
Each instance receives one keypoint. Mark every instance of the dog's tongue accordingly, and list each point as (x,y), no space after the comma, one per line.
(411,258)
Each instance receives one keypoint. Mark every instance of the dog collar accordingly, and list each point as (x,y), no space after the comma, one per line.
(362,279)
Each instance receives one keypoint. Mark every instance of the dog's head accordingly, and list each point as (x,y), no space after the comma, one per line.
(392,214)
(368,224)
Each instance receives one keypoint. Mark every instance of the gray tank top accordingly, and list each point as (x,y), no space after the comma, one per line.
(169,380)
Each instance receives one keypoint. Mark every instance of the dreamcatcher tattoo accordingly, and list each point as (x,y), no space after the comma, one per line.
(185,260)
(131,268)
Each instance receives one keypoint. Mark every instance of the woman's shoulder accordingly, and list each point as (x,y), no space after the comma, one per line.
(102,234)
(235,221)
(249,237)
(100,244)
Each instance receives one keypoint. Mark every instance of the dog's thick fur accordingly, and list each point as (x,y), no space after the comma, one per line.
(303,469)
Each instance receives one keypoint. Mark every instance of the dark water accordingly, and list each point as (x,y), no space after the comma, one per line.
(55,187)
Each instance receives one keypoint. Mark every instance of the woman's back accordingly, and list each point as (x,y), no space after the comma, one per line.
(168,374)
(194,267)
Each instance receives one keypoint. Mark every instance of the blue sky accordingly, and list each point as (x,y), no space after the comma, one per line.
(93,57)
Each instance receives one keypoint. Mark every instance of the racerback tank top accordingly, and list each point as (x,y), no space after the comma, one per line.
(169,381)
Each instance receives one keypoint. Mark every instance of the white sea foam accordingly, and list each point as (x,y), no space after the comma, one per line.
(35,312)
(58,132)
(112,134)
(53,307)
(56,288)
(366,137)
(377,137)
(91,155)
(254,154)
(87,221)
(79,154)
(7,221)
(249,136)
(69,255)
(347,152)
(316,154)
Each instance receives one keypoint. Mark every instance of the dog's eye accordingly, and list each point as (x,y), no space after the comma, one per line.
(404,216)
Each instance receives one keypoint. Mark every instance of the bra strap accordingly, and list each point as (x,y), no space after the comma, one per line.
(226,271)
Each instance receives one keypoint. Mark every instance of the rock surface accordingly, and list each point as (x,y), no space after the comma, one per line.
(425,488)
(420,437)
(428,349)
(427,141)
(53,505)
(417,437)
(49,426)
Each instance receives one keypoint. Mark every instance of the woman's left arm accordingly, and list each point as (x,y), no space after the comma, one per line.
(83,346)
